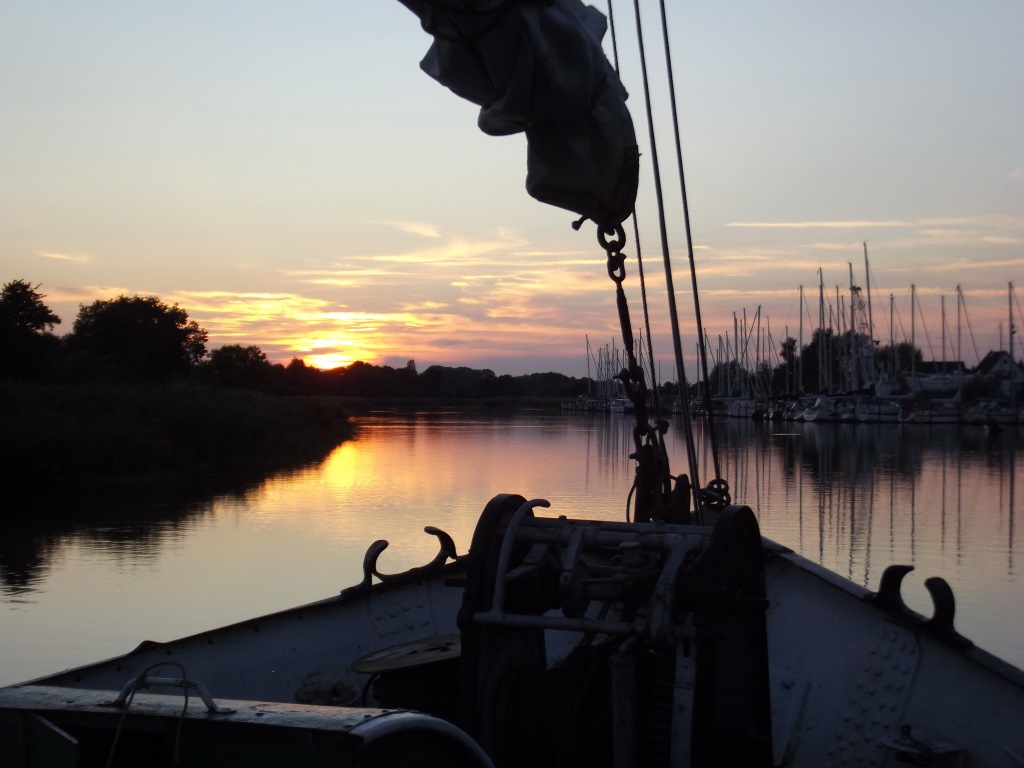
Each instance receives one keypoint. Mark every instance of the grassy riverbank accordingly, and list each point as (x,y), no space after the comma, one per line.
(162,434)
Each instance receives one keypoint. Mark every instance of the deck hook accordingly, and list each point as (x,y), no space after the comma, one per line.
(941,622)
(940,625)
(888,595)
(446,551)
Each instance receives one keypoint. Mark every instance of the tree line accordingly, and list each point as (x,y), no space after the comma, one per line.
(141,339)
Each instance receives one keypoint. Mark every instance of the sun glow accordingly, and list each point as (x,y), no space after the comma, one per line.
(330,360)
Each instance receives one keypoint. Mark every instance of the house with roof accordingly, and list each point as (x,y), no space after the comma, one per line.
(1003,376)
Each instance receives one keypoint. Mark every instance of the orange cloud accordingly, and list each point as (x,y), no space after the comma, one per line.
(77,258)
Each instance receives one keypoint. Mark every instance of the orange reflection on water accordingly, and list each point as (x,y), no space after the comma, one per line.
(853,498)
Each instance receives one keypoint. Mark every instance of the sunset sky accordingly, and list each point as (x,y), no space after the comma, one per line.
(287,174)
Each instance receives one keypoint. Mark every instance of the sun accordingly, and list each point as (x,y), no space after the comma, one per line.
(329,360)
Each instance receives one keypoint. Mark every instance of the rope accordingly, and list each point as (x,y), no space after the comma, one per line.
(141,680)
(689,241)
(615,45)
(636,239)
(673,312)
(647,315)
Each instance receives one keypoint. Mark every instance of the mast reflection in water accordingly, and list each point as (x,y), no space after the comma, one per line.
(857,498)
(852,497)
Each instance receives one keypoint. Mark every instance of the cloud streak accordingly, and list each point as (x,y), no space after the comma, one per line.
(75,258)
(416,228)
(463,300)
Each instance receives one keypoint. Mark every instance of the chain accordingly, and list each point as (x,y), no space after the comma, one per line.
(653,481)
(655,497)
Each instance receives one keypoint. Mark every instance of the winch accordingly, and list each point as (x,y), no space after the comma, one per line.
(615,644)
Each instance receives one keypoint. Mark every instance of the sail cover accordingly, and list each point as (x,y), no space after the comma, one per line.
(538,66)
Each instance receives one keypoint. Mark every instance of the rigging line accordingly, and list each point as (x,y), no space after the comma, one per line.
(647,315)
(967,318)
(691,450)
(636,239)
(924,326)
(703,361)
(903,333)
(615,45)
(1020,317)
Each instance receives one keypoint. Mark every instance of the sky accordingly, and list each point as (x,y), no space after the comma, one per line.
(288,175)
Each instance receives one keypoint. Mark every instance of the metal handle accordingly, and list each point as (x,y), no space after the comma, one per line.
(143,681)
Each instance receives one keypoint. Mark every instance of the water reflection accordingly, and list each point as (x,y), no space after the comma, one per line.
(131,525)
(857,498)
(854,498)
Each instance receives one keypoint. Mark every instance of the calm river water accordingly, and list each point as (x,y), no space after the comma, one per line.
(854,498)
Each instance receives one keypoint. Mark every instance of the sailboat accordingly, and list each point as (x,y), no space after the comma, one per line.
(878,409)
(677,637)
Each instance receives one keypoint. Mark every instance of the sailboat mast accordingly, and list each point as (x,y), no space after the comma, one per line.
(1009,307)
(1013,366)
(746,348)
(821,331)
(942,307)
(854,352)
(800,350)
(589,380)
(867,285)
(759,353)
(959,304)
(913,334)
(892,337)
(725,385)
(838,378)
(736,345)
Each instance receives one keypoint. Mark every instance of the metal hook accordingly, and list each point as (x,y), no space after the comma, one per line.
(446,551)
(940,625)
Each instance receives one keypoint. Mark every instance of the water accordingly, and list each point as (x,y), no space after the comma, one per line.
(853,498)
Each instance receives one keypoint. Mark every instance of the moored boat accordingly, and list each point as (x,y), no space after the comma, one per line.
(823,408)
(741,407)
(988,413)
(878,410)
(932,413)
(621,405)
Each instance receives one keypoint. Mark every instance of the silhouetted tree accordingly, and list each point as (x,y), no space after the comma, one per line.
(459,382)
(408,379)
(27,346)
(372,381)
(905,355)
(783,376)
(135,338)
(729,379)
(499,386)
(302,379)
(549,384)
(825,348)
(668,391)
(236,366)
(22,308)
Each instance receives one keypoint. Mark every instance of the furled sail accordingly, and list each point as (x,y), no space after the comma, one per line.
(538,66)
